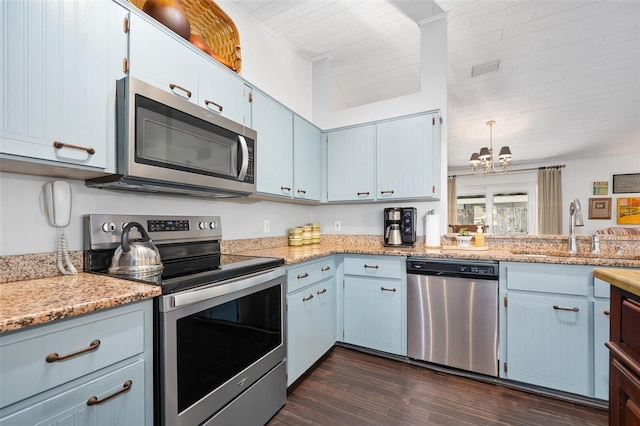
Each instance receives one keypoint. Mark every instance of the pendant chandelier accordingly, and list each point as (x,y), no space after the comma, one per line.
(482,162)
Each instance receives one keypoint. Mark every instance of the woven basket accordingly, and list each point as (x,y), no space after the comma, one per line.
(210,22)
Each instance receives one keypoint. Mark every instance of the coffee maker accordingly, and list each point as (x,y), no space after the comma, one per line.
(399,226)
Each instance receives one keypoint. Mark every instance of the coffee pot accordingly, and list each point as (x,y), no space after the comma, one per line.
(393,235)
(399,226)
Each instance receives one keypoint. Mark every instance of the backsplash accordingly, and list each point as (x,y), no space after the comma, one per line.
(41,265)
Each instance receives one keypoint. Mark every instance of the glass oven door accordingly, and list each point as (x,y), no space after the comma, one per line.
(215,349)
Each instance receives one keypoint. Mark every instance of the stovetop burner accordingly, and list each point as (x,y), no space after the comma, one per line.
(189,252)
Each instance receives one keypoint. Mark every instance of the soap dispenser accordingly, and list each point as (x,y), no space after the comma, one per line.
(479,237)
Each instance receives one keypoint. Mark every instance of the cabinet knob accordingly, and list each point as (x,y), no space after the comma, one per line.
(305,275)
(304,299)
(387,289)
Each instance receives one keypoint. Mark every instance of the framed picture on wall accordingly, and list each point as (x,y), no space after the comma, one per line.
(601,188)
(599,208)
(628,211)
(626,184)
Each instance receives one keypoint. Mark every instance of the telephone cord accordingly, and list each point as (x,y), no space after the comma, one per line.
(63,254)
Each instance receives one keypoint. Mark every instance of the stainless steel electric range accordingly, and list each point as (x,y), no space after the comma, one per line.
(219,345)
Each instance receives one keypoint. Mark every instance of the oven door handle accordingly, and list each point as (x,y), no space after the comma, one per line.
(245,158)
(220,289)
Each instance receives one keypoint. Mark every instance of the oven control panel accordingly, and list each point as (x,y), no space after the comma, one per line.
(164,225)
(105,231)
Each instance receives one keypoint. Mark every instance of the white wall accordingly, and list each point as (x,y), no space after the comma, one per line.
(270,64)
(24,228)
(577,182)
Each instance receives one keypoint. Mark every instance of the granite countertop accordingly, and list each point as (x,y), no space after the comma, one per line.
(624,279)
(293,255)
(38,301)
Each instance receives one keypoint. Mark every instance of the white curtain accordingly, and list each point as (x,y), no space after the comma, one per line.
(549,200)
(452,197)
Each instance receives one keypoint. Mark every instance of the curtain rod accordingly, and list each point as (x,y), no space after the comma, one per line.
(530,169)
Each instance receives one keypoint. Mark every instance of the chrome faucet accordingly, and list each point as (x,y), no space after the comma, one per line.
(575,219)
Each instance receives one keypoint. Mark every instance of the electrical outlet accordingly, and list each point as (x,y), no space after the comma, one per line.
(267,226)
(337,226)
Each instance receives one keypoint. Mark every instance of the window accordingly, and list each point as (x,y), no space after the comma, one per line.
(508,208)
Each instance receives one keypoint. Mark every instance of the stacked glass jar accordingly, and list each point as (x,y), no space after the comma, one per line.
(304,235)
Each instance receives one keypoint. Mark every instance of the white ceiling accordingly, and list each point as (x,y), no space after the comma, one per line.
(568,83)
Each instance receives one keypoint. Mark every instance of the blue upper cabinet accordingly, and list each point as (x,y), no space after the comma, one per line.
(351,164)
(159,58)
(407,158)
(58,81)
(274,124)
(396,159)
(307,160)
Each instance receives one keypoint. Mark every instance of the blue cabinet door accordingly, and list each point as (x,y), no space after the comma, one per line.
(600,351)
(302,315)
(58,80)
(407,158)
(274,124)
(311,324)
(373,313)
(351,164)
(161,58)
(307,160)
(548,341)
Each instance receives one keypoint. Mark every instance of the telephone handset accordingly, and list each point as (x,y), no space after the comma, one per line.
(57,208)
(57,198)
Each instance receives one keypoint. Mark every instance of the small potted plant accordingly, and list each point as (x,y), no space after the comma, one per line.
(464,237)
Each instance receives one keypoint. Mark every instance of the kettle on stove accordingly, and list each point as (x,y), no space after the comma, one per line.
(138,257)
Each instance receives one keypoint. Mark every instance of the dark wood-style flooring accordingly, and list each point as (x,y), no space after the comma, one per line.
(354,388)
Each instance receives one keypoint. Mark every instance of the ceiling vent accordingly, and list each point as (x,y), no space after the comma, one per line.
(485,68)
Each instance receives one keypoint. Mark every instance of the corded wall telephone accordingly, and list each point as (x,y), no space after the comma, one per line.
(57,198)
(57,208)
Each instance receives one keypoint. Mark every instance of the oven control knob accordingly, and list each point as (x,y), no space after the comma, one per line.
(213,225)
(202,225)
(108,227)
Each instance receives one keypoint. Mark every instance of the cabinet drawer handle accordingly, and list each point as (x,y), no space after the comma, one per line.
(323,291)
(363,193)
(606,312)
(388,289)
(386,192)
(207,102)
(285,188)
(325,269)
(304,299)
(305,275)
(54,357)
(302,191)
(371,266)
(173,87)
(126,387)
(560,308)
(59,145)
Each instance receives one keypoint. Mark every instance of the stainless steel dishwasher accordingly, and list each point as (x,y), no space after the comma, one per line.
(452,309)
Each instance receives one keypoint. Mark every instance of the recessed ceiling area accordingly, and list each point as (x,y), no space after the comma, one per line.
(567,85)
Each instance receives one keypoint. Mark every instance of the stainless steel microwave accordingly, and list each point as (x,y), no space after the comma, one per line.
(167,144)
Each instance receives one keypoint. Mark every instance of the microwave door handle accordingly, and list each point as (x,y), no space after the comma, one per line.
(245,158)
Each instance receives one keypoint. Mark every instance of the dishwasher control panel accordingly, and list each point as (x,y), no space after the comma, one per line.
(485,269)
